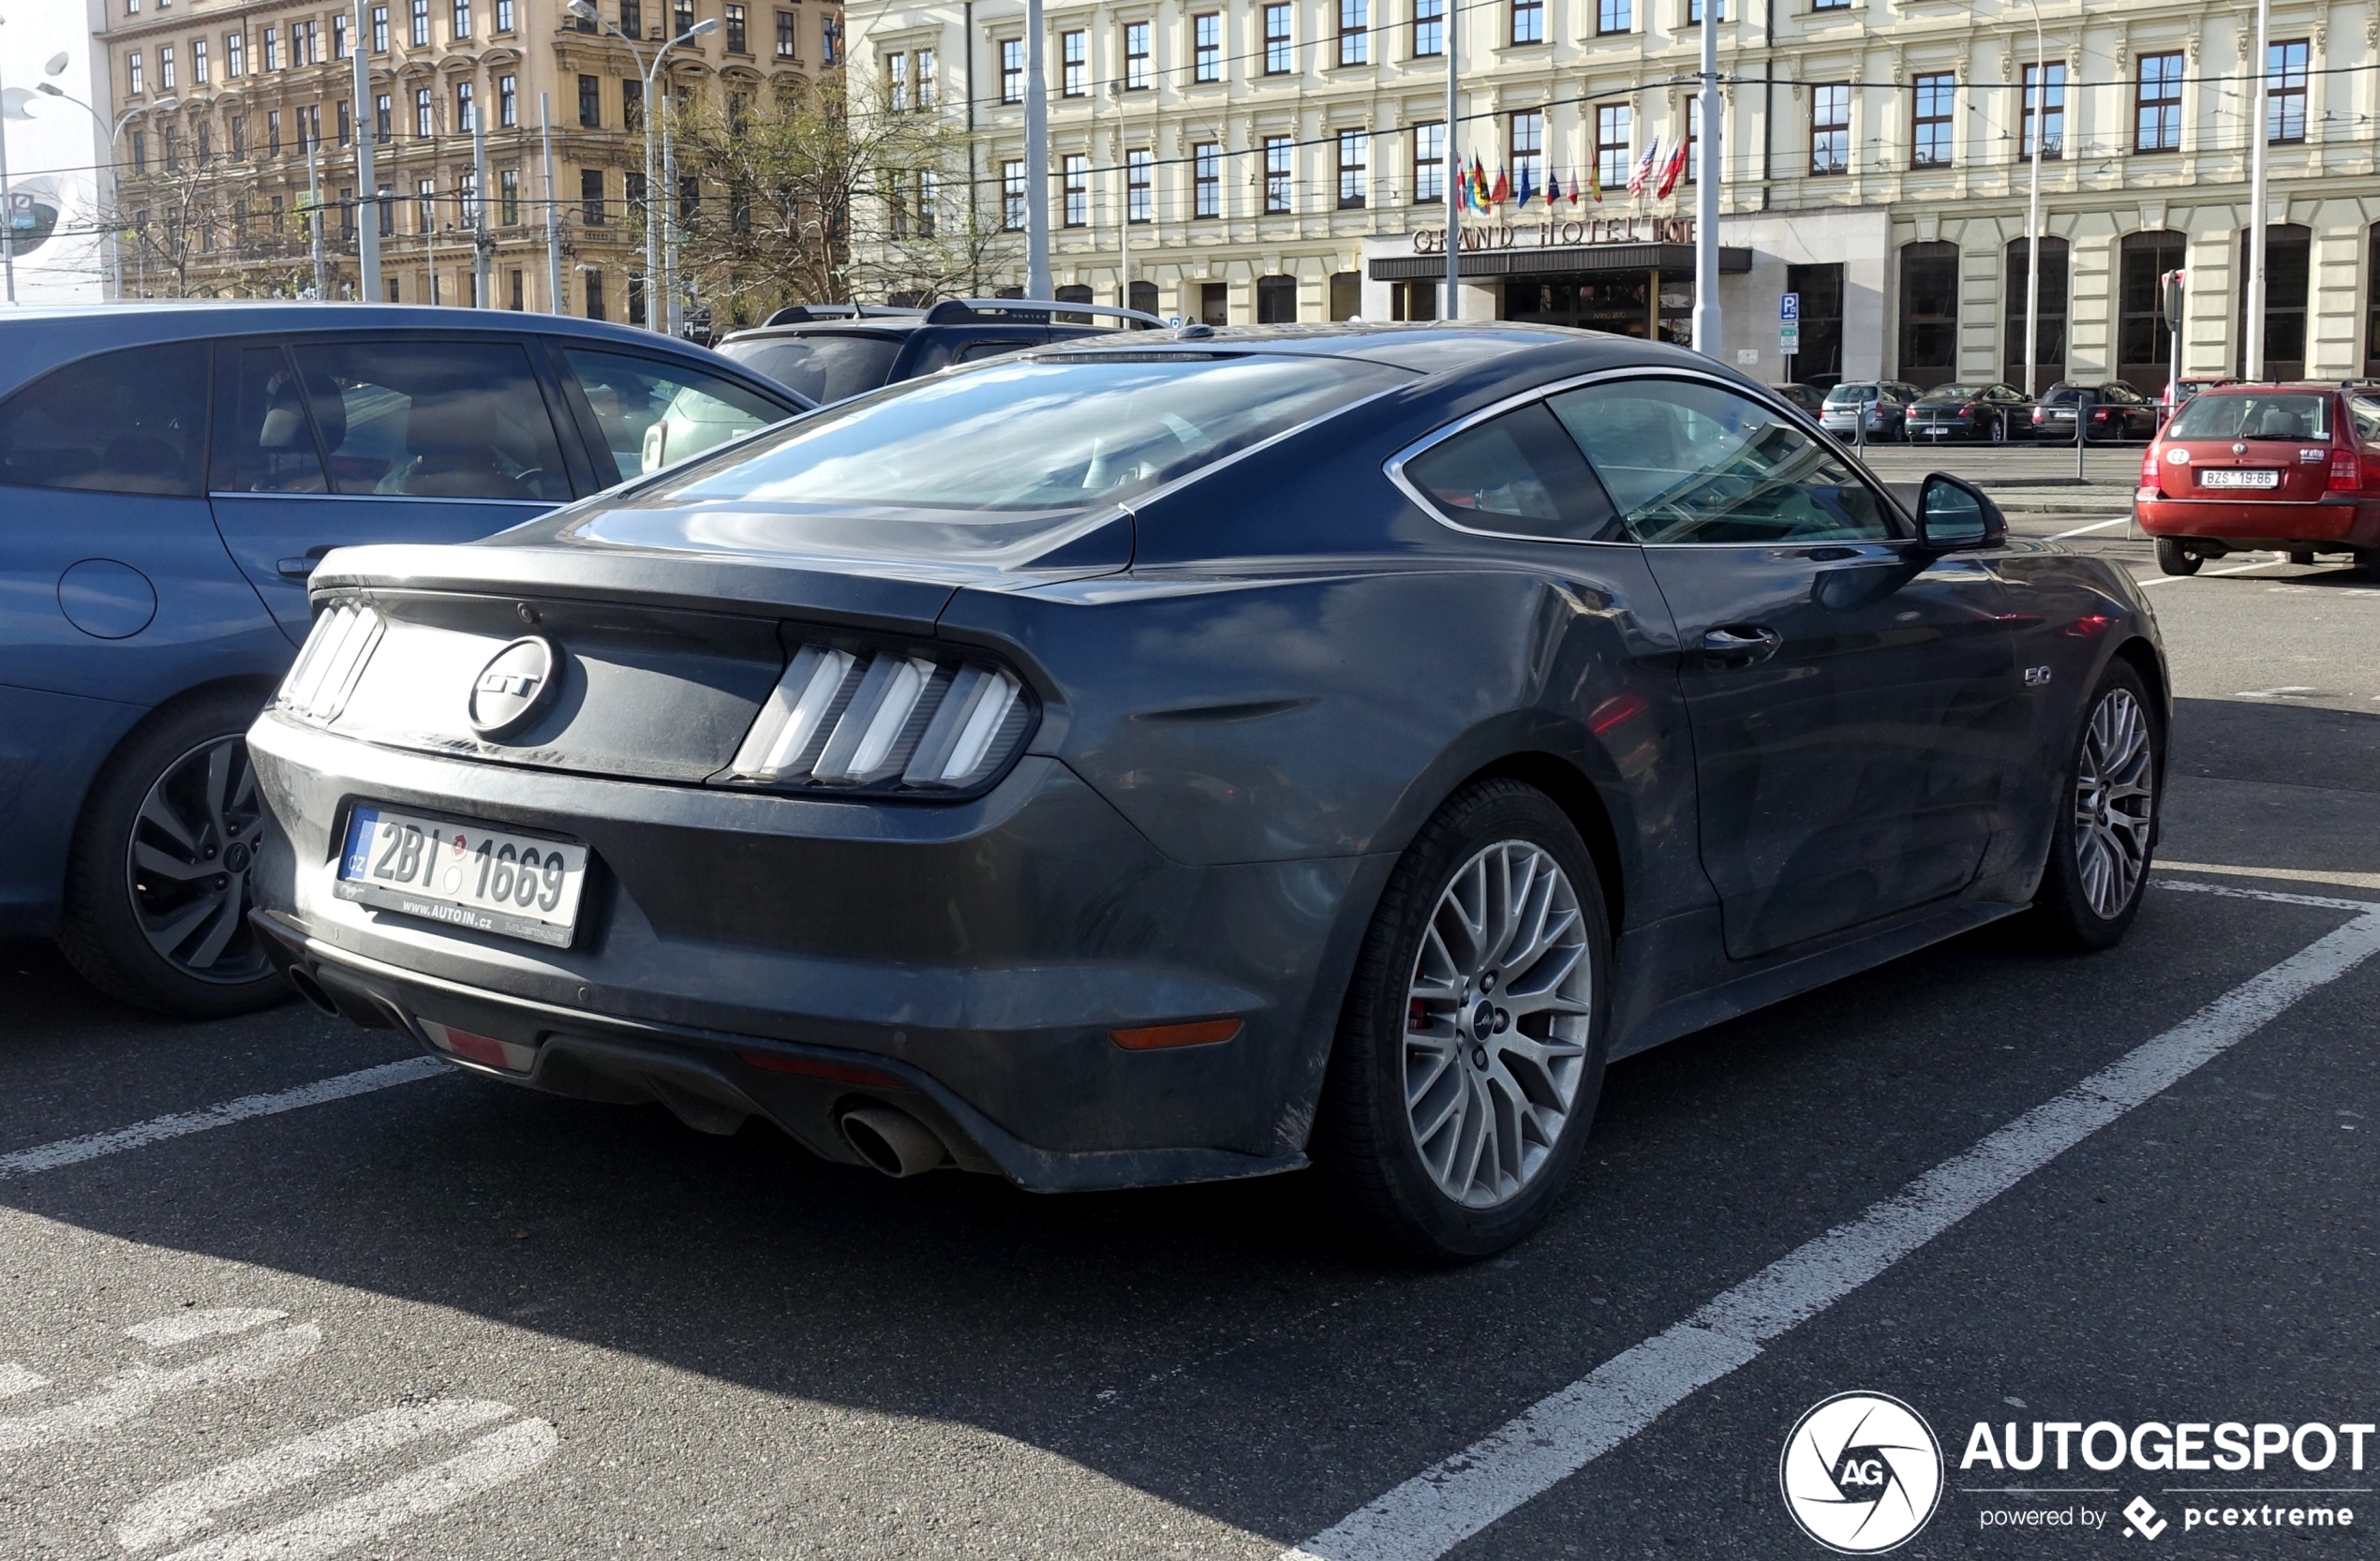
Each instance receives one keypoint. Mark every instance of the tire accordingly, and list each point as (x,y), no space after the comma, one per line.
(1999,433)
(147,921)
(2301,556)
(2098,872)
(1422,1131)
(2174,559)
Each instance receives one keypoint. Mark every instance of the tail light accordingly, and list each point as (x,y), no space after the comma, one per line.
(330,663)
(1967,411)
(909,720)
(2346,471)
(2149,466)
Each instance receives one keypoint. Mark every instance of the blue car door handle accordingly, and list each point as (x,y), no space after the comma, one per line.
(297,569)
(1748,642)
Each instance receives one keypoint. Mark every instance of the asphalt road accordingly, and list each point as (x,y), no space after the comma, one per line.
(446,1319)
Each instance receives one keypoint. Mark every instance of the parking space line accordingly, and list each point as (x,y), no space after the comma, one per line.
(2211,574)
(2094,526)
(91,1146)
(2284,875)
(1553,1439)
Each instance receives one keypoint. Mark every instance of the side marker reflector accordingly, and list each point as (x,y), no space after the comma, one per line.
(1152,1037)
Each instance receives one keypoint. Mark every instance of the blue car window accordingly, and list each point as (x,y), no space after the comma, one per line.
(1516,473)
(264,442)
(126,421)
(1690,462)
(434,419)
(820,365)
(654,413)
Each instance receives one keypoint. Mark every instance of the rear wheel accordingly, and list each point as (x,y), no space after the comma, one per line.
(1470,1053)
(1999,430)
(2100,849)
(2174,559)
(156,896)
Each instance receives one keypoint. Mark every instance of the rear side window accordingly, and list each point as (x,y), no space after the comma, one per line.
(263,440)
(824,367)
(434,419)
(2254,415)
(2367,416)
(127,422)
(1516,473)
(655,414)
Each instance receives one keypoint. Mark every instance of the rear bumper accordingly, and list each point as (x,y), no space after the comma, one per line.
(981,952)
(2336,523)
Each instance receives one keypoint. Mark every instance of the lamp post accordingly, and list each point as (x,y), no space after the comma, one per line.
(1036,159)
(1452,21)
(1706,319)
(115,132)
(656,302)
(7,234)
(2258,133)
(2033,213)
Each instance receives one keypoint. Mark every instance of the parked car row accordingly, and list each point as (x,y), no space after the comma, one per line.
(1893,411)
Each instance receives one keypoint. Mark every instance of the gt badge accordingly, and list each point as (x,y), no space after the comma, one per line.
(515,686)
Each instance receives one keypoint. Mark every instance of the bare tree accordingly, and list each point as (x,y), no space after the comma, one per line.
(821,195)
(197,233)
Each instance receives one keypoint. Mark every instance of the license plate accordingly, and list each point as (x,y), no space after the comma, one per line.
(464,874)
(2221,477)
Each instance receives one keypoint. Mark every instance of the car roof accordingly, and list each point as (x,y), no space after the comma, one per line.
(1426,346)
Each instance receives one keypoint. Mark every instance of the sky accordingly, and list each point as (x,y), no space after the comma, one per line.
(52,151)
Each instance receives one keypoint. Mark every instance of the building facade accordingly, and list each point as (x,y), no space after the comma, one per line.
(1251,160)
(223,102)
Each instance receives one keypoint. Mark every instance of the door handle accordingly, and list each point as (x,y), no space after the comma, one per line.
(1751,642)
(295,569)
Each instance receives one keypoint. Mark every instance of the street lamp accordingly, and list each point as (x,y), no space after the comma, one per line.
(115,132)
(2033,217)
(656,305)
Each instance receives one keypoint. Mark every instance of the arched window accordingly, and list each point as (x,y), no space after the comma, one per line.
(1929,314)
(2288,252)
(2372,307)
(2144,336)
(2050,312)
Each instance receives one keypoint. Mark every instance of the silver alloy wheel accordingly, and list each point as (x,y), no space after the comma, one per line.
(186,865)
(1497,1018)
(2115,802)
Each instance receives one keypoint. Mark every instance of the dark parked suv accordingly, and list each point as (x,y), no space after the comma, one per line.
(169,476)
(826,351)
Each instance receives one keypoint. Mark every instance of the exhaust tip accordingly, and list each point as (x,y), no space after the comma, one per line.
(311,990)
(892,1141)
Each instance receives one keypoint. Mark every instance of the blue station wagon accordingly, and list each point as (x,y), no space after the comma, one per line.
(170,475)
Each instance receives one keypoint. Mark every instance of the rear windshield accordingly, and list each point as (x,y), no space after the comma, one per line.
(822,367)
(1046,434)
(1852,393)
(2256,415)
(1951,392)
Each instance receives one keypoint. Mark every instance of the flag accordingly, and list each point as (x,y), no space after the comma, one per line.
(1462,190)
(1670,174)
(1523,192)
(1643,169)
(1503,190)
(1594,181)
(1479,185)
(1553,187)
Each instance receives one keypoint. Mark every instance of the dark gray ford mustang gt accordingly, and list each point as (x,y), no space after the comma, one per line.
(1123,765)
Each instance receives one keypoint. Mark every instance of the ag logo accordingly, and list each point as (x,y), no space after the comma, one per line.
(515,687)
(1861,1473)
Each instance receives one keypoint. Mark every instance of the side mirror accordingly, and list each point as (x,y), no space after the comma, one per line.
(1952,514)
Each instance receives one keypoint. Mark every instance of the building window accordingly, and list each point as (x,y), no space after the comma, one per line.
(236,54)
(1830,128)
(897,81)
(1278,150)
(1429,162)
(2285,92)
(141,156)
(594,294)
(386,201)
(1012,71)
(1276,40)
(2144,342)
(1074,56)
(590,195)
(1612,136)
(1077,175)
(1352,144)
(829,50)
(1928,313)
(590,102)
(632,103)
(2156,114)
(2045,101)
(1205,179)
(2288,247)
(929,202)
(347,210)
(1694,12)
(206,142)
(418,35)
(1135,56)
(459,19)
(1012,195)
(164,66)
(1429,28)
(1276,299)
(134,80)
(1929,142)
(1693,140)
(1615,16)
(197,62)
(1529,20)
(346,118)
(269,48)
(172,150)
(788,30)
(383,109)
(504,16)
(926,86)
(732,21)
(631,16)
(422,113)
(273,133)
(507,101)
(1525,135)
(309,127)
(338,36)
(1355,32)
(239,137)
(2049,313)
(464,119)
(681,18)
(1140,191)
(508,196)
(1830,4)
(424,206)
(1206,46)
(379,29)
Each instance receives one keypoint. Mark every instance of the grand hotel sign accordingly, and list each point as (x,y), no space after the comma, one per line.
(1564,232)
(1555,245)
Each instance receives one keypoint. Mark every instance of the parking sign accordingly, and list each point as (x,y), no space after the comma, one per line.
(1789,308)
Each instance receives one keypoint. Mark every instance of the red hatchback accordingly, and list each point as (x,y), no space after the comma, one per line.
(2288,468)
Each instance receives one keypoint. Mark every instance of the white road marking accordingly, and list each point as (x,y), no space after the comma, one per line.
(2320,902)
(180,1327)
(91,1146)
(2094,526)
(2208,574)
(15,1379)
(177,1512)
(496,1459)
(2287,690)
(131,1393)
(2287,875)
(1553,1439)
